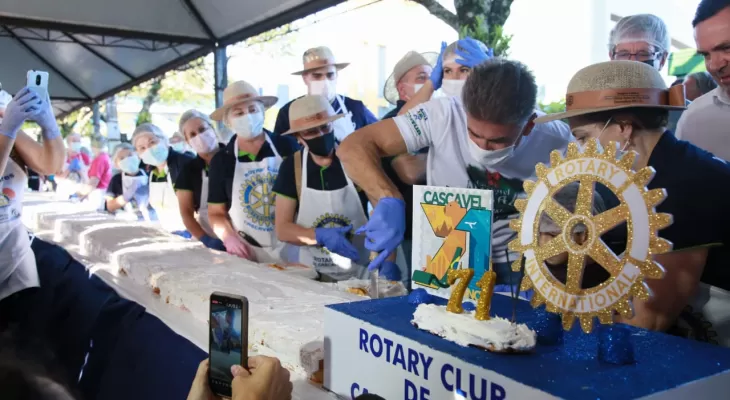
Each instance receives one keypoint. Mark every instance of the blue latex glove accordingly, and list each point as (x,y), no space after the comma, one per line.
(184,234)
(471,53)
(437,74)
(335,240)
(25,105)
(47,120)
(385,229)
(74,165)
(212,243)
(390,271)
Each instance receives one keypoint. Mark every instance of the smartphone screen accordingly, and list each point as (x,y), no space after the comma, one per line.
(228,339)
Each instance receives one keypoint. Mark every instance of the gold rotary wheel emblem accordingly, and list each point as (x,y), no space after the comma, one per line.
(331,220)
(627,270)
(258,199)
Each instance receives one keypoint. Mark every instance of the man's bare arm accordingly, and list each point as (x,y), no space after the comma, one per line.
(360,154)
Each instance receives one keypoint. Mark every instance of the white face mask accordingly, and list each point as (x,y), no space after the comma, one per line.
(325,88)
(453,87)
(248,126)
(178,146)
(489,158)
(205,142)
(130,165)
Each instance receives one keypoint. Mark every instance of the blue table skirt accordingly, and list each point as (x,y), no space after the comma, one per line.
(108,345)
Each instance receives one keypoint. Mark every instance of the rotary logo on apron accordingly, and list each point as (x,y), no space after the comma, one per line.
(257,197)
(252,208)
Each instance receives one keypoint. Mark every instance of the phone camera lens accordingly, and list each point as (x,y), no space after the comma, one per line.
(38,80)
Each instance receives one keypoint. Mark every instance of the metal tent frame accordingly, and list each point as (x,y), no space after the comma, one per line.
(94,49)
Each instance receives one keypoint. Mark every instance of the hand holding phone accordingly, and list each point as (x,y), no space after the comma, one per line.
(37,81)
(228,339)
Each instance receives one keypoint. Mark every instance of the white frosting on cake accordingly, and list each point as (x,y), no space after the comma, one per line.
(286,310)
(385,288)
(496,334)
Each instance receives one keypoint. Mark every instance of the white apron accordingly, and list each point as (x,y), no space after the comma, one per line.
(343,127)
(163,199)
(252,205)
(203,219)
(17,262)
(709,310)
(332,208)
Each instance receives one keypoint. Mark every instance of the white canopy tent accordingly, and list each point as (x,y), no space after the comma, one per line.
(96,48)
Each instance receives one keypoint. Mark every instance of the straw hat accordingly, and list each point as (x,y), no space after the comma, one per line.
(239,92)
(309,112)
(411,60)
(614,85)
(319,57)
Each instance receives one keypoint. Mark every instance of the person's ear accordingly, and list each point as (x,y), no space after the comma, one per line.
(529,126)
(663,61)
(626,129)
(400,87)
(305,78)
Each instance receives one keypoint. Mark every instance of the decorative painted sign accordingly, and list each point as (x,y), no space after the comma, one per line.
(451,231)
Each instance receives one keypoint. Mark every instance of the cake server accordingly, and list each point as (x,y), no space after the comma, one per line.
(374,276)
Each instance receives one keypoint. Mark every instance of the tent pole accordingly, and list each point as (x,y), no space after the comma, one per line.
(221,77)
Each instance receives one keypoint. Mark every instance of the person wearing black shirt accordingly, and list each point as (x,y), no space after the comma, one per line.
(320,75)
(317,206)
(191,185)
(406,170)
(162,165)
(129,188)
(700,232)
(242,175)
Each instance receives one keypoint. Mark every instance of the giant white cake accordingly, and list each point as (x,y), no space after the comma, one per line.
(286,307)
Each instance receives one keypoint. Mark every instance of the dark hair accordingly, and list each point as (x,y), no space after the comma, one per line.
(500,91)
(678,81)
(23,376)
(708,9)
(639,117)
(703,81)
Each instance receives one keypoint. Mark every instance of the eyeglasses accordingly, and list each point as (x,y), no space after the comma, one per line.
(638,56)
(323,129)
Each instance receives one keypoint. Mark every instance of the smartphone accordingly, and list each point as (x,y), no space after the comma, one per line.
(38,81)
(227,339)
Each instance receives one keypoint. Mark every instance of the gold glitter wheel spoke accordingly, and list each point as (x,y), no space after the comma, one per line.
(605,257)
(557,212)
(607,220)
(584,202)
(256,195)
(552,248)
(576,262)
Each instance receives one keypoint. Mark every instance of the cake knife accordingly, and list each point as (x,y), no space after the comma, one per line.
(374,276)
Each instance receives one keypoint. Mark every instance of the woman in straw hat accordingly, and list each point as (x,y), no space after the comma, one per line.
(317,205)
(241,176)
(625,104)
(162,165)
(192,186)
(320,75)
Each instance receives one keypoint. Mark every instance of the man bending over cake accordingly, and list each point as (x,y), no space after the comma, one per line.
(317,205)
(485,139)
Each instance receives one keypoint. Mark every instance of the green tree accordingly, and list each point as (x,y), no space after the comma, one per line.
(480,19)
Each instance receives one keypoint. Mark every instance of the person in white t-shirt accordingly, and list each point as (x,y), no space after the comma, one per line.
(486,140)
(705,123)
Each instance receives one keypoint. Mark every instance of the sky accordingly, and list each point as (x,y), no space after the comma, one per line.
(554,38)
